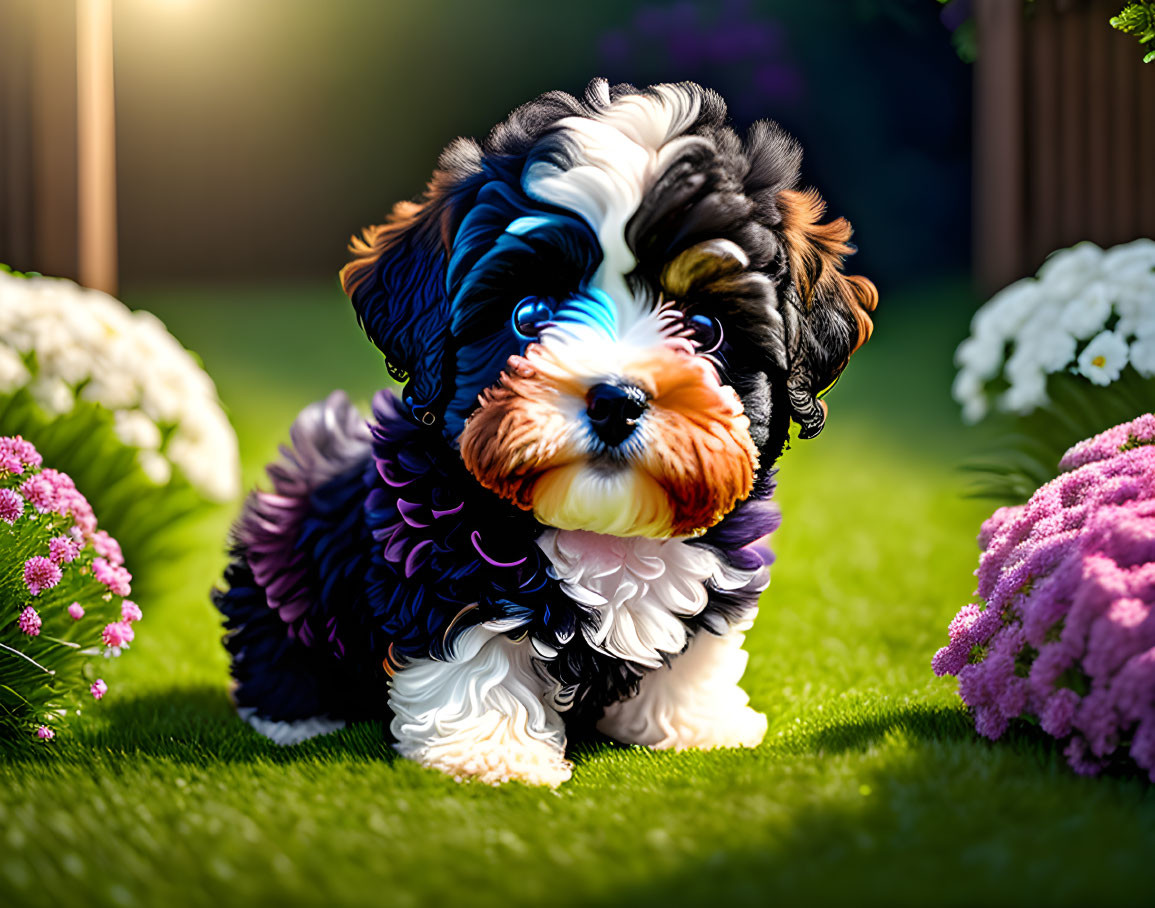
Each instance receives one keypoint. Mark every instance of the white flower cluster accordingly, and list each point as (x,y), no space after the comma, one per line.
(65,342)
(1088,311)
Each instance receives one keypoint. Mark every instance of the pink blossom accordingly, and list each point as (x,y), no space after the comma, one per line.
(71,503)
(76,611)
(107,547)
(40,574)
(117,634)
(1066,631)
(130,611)
(98,689)
(29,621)
(115,577)
(62,550)
(11,506)
(16,454)
(40,492)
(44,733)
(1107,444)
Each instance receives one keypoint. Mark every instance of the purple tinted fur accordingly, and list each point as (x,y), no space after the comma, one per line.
(1065,626)
(328,438)
(419,523)
(743,534)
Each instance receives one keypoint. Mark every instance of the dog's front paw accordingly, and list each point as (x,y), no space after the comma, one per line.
(491,752)
(738,727)
(684,726)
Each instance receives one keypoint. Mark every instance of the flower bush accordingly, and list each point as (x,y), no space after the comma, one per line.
(63,585)
(1089,313)
(1058,358)
(1063,631)
(113,398)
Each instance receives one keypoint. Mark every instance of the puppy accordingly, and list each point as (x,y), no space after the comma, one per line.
(605,316)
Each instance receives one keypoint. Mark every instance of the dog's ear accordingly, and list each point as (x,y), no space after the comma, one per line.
(397,279)
(827,312)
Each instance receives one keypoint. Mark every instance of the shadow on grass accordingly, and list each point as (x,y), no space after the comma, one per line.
(947,725)
(942,817)
(919,721)
(197,725)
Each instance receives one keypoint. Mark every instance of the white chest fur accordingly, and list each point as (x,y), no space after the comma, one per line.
(639,588)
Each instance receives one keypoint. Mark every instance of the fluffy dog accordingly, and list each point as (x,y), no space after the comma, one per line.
(606,316)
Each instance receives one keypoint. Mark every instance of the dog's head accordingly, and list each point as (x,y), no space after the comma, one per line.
(614,306)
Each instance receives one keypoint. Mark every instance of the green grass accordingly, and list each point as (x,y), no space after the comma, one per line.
(871,786)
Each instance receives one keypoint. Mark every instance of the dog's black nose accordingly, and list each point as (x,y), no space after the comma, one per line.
(614,410)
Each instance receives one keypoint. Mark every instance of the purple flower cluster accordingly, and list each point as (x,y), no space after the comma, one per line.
(1064,629)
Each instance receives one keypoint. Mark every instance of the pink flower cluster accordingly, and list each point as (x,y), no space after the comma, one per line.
(71,554)
(11,506)
(114,576)
(29,622)
(51,491)
(1065,627)
(41,574)
(16,454)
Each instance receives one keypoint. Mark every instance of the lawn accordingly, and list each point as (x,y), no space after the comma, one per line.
(871,785)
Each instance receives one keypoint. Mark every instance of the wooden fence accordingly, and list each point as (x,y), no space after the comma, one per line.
(1064,134)
(57,139)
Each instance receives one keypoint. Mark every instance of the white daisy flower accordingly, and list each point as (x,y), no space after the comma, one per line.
(967,389)
(125,361)
(1135,304)
(53,394)
(1065,273)
(1007,310)
(1127,259)
(155,465)
(1027,392)
(1142,356)
(13,373)
(1043,343)
(1088,312)
(134,428)
(1103,358)
(981,358)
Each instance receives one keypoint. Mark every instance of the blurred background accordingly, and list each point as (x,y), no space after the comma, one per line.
(253,138)
(209,159)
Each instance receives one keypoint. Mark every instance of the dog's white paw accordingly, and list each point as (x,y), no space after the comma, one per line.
(740,727)
(695,725)
(490,751)
(695,702)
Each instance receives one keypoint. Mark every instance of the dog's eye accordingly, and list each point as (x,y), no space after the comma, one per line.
(706,332)
(530,316)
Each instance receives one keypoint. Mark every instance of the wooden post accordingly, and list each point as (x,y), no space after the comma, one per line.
(96,144)
(1043,133)
(998,148)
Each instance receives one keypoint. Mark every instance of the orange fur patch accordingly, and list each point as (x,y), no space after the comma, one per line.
(816,252)
(373,241)
(527,443)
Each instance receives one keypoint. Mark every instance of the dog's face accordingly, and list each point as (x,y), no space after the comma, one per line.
(614,307)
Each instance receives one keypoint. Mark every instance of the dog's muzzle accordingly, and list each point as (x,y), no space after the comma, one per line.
(614,408)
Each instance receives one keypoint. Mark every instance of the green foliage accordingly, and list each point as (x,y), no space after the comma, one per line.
(84,444)
(1024,451)
(45,676)
(872,785)
(1138,19)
